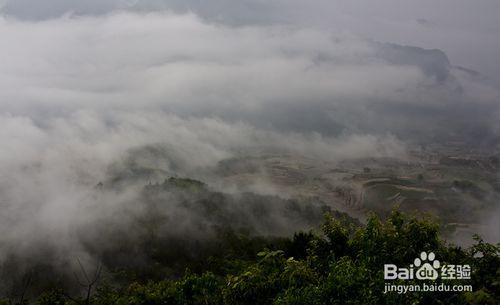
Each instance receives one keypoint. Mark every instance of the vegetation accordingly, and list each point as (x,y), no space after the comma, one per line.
(340,264)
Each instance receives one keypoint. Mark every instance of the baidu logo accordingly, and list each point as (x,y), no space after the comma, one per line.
(426,267)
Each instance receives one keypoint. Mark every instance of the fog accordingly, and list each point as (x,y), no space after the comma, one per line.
(268,76)
(83,93)
(465,30)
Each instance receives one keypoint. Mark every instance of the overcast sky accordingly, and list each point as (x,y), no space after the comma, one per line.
(466,30)
(302,66)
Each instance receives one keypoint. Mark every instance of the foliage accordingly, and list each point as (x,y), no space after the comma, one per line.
(341,264)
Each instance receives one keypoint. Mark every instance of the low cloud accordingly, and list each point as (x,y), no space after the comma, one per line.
(82,98)
(273,77)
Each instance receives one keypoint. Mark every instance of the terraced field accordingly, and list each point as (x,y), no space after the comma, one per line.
(455,193)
